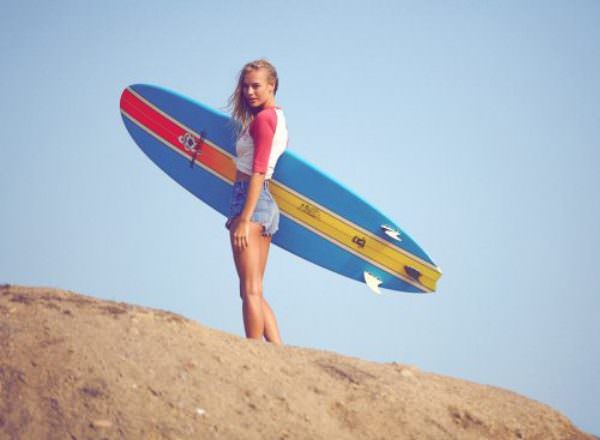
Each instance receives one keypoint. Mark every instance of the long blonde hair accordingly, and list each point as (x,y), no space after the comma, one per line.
(240,110)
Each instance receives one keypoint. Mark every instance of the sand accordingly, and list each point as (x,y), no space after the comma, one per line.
(76,367)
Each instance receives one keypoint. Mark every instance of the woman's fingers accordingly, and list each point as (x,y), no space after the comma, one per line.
(240,241)
(240,236)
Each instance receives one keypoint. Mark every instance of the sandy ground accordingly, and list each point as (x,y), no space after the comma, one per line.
(75,367)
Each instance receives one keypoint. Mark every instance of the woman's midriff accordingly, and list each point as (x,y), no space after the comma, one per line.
(243,177)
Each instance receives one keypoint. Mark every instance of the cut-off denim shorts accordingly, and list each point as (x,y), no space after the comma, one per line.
(265,213)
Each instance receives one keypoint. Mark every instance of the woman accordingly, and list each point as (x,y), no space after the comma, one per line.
(254,215)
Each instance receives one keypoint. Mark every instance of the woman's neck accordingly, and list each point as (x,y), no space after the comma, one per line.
(257,110)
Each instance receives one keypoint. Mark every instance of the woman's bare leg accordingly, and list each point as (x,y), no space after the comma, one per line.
(259,319)
(271,328)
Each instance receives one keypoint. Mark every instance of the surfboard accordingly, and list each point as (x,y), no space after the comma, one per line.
(321,221)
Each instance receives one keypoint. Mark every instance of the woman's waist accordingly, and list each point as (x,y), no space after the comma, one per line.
(243,180)
(240,176)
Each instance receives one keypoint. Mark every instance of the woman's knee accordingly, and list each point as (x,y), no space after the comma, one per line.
(251,291)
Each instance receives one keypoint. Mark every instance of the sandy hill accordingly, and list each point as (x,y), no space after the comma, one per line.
(74,367)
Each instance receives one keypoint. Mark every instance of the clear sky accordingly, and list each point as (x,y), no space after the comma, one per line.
(474,125)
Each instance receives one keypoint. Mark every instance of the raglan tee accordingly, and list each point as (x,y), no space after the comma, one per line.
(259,146)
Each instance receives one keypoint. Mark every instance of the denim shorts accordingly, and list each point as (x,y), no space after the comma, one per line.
(265,213)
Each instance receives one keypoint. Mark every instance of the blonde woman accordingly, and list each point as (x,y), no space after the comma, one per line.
(254,215)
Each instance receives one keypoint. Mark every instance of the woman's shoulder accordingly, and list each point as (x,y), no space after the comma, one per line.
(267,116)
(268,112)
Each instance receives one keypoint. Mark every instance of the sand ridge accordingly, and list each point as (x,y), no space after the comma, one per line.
(75,367)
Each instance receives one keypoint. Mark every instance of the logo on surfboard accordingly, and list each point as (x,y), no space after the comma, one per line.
(189,142)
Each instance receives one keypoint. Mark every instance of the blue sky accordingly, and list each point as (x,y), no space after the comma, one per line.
(474,125)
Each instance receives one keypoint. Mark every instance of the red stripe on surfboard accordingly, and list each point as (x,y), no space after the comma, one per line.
(168,130)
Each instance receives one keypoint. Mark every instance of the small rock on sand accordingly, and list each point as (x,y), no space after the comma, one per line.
(101,424)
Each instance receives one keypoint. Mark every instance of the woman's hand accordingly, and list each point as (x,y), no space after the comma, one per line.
(240,233)
(241,229)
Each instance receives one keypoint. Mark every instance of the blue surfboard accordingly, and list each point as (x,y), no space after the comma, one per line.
(322,221)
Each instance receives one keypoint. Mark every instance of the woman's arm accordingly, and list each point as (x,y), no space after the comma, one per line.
(262,130)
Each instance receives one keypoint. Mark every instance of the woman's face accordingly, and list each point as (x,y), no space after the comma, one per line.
(257,90)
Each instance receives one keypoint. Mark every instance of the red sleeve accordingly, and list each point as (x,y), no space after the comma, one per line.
(262,130)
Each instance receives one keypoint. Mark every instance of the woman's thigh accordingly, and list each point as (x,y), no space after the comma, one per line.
(250,262)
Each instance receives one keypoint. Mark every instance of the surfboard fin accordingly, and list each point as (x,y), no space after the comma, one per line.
(391,232)
(372,282)
(413,273)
